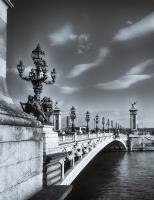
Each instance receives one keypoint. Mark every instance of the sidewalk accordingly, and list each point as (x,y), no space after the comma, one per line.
(56,192)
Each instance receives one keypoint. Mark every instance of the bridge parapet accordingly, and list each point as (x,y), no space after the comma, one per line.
(69,138)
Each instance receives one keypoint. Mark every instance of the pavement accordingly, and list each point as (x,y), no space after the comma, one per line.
(56,192)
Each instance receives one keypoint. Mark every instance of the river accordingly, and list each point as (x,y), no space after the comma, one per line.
(116,176)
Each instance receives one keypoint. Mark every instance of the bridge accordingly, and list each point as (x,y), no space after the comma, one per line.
(34,156)
(66,155)
(74,151)
(86,148)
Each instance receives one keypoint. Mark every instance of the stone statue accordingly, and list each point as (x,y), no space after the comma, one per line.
(35,108)
(47,105)
(133,104)
(38,111)
(56,105)
(28,107)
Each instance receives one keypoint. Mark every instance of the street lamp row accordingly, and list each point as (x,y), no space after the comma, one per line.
(107,122)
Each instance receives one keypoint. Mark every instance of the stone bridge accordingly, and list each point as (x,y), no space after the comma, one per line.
(73,152)
(86,149)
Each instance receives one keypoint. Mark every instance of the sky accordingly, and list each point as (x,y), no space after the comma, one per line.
(102,50)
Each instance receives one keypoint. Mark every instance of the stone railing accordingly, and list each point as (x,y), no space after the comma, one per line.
(68,138)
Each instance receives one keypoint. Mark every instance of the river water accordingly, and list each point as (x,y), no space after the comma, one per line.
(116,176)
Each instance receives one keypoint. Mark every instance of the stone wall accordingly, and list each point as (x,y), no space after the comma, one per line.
(21,162)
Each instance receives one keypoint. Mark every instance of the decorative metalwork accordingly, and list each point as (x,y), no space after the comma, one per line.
(116,126)
(103,123)
(87,120)
(112,125)
(108,125)
(97,121)
(41,109)
(73,117)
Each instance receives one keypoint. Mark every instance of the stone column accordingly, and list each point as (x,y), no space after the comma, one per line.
(57,119)
(133,119)
(50,140)
(3,32)
(9,113)
(21,146)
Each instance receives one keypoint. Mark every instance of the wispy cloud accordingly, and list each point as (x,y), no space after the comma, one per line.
(131,77)
(66,34)
(83,43)
(81,68)
(140,67)
(129,22)
(62,36)
(140,28)
(68,89)
(123,82)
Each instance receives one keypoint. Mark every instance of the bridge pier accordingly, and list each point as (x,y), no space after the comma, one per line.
(129,144)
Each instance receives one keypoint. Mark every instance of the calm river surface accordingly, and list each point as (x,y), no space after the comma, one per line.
(116,176)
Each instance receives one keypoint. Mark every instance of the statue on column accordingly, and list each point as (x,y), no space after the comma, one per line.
(133,104)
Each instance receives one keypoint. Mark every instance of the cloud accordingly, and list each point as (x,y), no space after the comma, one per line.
(62,36)
(81,68)
(123,82)
(142,27)
(66,34)
(129,22)
(68,89)
(140,67)
(83,43)
(131,77)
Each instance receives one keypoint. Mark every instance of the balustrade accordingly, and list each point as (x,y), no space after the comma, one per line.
(68,138)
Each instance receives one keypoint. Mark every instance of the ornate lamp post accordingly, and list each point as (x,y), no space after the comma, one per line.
(97,121)
(116,126)
(87,120)
(119,128)
(112,125)
(103,123)
(73,117)
(108,125)
(37,76)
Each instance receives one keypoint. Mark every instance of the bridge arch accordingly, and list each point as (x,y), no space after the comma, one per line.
(116,145)
(71,174)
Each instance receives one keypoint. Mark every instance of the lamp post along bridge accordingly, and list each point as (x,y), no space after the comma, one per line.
(38,75)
